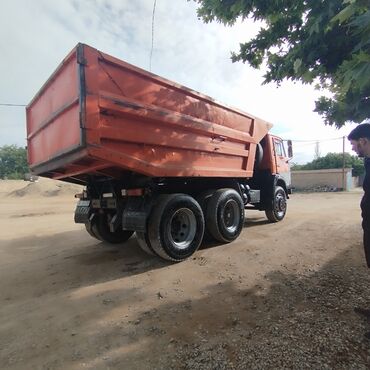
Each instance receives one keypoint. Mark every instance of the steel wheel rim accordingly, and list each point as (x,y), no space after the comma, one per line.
(231,215)
(280,205)
(183,227)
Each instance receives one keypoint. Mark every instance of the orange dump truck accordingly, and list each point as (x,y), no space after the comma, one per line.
(156,158)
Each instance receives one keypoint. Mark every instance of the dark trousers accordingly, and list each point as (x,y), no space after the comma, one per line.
(365,213)
(366,228)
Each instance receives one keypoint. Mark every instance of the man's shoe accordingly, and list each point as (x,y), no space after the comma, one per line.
(363,312)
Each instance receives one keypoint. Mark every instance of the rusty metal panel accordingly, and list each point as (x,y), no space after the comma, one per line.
(53,116)
(61,136)
(125,118)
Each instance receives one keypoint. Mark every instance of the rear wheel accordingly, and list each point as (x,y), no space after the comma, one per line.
(279,206)
(101,229)
(144,243)
(89,228)
(225,215)
(176,226)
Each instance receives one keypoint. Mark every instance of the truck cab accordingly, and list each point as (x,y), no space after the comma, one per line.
(272,177)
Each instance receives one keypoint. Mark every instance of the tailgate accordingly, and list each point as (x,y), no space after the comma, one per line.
(54,130)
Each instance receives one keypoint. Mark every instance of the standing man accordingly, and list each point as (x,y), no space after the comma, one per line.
(360,141)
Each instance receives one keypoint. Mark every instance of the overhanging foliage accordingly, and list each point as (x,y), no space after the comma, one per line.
(326,42)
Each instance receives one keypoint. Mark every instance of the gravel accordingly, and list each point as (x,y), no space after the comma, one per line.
(305,323)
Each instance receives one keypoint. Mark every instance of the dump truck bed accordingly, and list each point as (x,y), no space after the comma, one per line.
(98,115)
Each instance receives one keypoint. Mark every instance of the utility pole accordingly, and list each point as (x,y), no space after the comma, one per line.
(343,173)
(317,150)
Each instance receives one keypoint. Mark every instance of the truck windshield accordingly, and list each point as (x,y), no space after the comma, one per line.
(279,148)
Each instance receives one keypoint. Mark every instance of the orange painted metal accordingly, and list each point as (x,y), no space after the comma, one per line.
(100,115)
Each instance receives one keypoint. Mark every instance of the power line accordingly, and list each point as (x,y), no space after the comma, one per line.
(13,105)
(300,145)
(317,140)
(151,50)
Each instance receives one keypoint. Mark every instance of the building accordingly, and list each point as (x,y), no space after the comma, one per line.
(326,180)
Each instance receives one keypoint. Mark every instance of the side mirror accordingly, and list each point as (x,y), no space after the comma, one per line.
(290,149)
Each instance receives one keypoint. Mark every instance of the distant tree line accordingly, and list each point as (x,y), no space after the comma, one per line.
(333,160)
(13,162)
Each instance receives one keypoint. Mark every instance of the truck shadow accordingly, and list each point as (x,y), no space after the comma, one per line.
(77,250)
(255,221)
(47,257)
(208,242)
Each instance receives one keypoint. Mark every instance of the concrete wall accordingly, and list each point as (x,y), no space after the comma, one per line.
(331,179)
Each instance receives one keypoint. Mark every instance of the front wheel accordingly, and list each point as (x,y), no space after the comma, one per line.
(279,206)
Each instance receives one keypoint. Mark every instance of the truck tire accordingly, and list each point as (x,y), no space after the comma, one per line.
(225,215)
(144,243)
(90,229)
(176,226)
(101,229)
(279,206)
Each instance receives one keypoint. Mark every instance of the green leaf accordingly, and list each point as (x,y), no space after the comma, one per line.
(345,14)
(297,64)
(322,42)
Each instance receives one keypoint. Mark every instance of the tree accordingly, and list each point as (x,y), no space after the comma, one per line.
(13,162)
(334,160)
(325,42)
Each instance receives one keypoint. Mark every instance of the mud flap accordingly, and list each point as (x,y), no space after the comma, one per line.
(135,214)
(82,212)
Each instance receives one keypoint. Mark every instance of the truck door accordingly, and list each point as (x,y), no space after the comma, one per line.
(282,161)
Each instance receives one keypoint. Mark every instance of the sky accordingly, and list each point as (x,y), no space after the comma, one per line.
(36,35)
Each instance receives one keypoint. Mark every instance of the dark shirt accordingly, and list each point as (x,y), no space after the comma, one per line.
(365,207)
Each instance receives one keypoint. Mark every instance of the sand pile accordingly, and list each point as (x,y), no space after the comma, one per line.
(43,187)
(6,186)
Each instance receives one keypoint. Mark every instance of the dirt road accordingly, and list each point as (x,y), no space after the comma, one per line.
(280,296)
